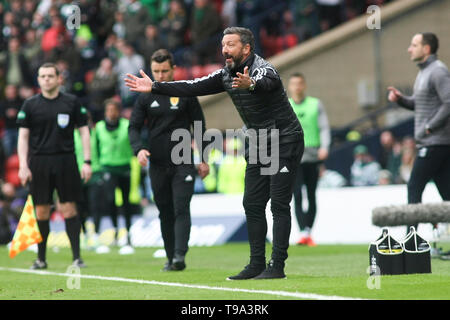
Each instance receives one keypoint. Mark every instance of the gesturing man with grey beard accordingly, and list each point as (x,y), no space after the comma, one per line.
(259,96)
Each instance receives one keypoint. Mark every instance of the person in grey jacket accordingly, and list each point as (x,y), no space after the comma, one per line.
(431,104)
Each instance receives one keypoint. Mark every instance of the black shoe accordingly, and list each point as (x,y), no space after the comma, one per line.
(271,272)
(78,263)
(178,263)
(167,267)
(445,257)
(249,272)
(39,265)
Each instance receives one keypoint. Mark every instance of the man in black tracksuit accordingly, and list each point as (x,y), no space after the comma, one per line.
(258,94)
(172,183)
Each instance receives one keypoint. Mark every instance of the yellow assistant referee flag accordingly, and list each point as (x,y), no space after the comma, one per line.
(27,232)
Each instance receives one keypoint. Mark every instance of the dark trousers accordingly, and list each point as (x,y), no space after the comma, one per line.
(278,188)
(431,163)
(121,181)
(173,188)
(308,176)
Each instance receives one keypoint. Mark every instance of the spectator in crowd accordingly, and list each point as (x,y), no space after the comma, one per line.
(16,8)
(25,92)
(364,170)
(248,14)
(118,27)
(407,161)
(228,13)
(32,51)
(129,62)
(103,86)
(106,21)
(39,24)
(9,24)
(66,77)
(135,18)
(11,207)
(273,16)
(205,23)
(17,70)
(306,18)
(29,7)
(9,108)
(330,13)
(354,8)
(384,177)
(55,37)
(111,48)
(390,154)
(174,25)
(150,43)
(330,178)
(87,49)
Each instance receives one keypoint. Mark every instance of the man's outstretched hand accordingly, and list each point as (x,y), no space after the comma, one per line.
(137,84)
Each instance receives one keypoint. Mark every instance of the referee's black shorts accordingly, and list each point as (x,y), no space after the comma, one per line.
(57,171)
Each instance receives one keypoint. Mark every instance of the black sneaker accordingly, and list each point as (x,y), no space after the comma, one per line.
(445,257)
(271,272)
(178,263)
(78,263)
(39,265)
(249,272)
(167,267)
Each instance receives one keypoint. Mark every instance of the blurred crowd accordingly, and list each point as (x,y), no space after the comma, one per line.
(392,165)
(109,38)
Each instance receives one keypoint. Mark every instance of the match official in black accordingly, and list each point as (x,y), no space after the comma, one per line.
(260,98)
(47,157)
(172,184)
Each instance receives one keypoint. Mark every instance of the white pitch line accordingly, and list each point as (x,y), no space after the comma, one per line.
(300,295)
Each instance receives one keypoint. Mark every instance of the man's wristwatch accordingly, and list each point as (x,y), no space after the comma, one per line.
(252,85)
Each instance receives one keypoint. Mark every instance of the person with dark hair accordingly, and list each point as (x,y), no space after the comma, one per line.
(172,183)
(258,94)
(431,104)
(47,159)
(205,23)
(103,86)
(8,111)
(114,156)
(313,117)
(17,67)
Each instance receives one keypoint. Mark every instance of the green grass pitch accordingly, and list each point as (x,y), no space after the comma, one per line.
(327,271)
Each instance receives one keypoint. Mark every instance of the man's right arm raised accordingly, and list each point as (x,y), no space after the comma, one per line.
(210,84)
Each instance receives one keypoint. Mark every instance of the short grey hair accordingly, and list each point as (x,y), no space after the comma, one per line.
(245,35)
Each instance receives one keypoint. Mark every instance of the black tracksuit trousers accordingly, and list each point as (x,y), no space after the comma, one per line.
(278,188)
(173,188)
(307,175)
(431,163)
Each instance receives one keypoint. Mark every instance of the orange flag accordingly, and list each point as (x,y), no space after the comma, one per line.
(27,232)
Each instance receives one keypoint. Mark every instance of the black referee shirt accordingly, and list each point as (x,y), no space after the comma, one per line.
(164,114)
(51,122)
